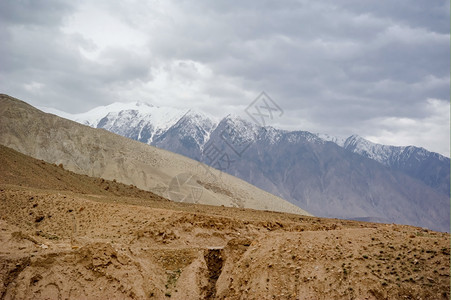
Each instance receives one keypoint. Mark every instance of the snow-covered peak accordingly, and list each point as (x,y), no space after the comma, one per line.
(380,153)
(93,117)
(142,121)
(360,143)
(340,141)
(387,154)
(251,131)
(201,117)
(272,135)
(160,118)
(247,130)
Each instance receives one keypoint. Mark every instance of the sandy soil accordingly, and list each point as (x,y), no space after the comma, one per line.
(72,238)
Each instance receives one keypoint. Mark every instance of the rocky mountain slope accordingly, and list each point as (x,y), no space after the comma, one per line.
(59,240)
(330,181)
(99,153)
(348,178)
(429,167)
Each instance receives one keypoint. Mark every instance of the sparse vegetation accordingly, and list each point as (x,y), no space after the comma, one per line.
(133,242)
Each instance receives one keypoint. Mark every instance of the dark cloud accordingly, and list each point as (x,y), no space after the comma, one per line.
(340,67)
(37,13)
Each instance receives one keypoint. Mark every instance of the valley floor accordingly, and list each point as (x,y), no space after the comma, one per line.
(57,244)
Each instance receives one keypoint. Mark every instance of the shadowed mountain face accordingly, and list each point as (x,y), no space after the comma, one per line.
(431,168)
(353,178)
(100,153)
(330,181)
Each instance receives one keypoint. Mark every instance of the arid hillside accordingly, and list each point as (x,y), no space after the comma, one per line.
(64,235)
(19,169)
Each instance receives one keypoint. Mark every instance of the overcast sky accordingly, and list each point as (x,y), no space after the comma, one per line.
(380,69)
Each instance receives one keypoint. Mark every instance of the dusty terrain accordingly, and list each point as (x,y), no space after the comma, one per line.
(64,235)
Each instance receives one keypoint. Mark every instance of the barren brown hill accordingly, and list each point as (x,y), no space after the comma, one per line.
(98,153)
(59,241)
(19,169)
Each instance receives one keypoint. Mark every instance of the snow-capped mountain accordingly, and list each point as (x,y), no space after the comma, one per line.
(327,176)
(340,141)
(151,124)
(141,123)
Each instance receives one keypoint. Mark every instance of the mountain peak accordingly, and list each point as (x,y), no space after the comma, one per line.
(197,114)
(140,103)
(340,141)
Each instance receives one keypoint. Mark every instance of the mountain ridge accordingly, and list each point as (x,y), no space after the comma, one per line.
(354,182)
(100,153)
(93,116)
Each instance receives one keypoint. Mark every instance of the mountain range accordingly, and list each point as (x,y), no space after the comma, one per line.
(99,153)
(349,178)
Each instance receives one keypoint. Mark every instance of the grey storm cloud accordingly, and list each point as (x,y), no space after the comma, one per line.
(340,67)
(35,13)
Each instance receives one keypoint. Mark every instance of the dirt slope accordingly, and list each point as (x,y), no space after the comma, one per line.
(99,153)
(59,241)
(19,169)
